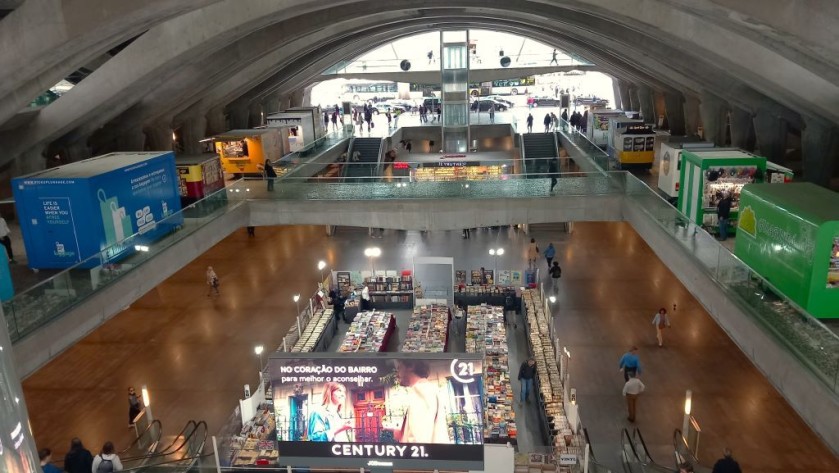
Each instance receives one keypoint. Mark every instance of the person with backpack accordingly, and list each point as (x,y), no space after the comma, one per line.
(661,322)
(78,459)
(107,461)
(550,252)
(556,273)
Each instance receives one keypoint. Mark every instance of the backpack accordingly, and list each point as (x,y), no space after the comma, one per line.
(105,466)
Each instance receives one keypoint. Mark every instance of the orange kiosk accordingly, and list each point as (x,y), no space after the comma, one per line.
(245,151)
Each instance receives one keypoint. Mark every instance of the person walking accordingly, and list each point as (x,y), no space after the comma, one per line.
(530,123)
(527,372)
(547,122)
(630,363)
(556,273)
(270,174)
(365,298)
(212,281)
(6,240)
(45,455)
(631,390)
(554,121)
(492,113)
(553,59)
(326,120)
(532,254)
(549,254)
(107,461)
(726,464)
(338,306)
(78,458)
(134,406)
(661,322)
(335,120)
(439,114)
(564,115)
(724,213)
(553,171)
(389,119)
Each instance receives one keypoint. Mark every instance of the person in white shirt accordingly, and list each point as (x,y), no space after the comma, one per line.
(365,298)
(661,322)
(6,240)
(631,390)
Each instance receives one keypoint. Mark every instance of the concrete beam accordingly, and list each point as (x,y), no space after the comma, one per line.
(742,128)
(820,151)
(771,134)
(675,111)
(714,112)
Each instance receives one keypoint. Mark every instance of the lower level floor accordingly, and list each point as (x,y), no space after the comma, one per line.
(195,352)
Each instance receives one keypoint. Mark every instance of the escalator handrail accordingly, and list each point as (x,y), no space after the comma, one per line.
(588,442)
(169,462)
(168,450)
(625,435)
(180,434)
(203,439)
(650,461)
(137,440)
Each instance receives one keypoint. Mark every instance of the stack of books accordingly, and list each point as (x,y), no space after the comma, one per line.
(428,330)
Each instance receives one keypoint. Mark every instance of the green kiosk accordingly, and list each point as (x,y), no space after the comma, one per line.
(790,235)
(707,176)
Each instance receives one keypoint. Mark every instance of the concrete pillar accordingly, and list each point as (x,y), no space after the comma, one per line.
(216,122)
(819,149)
(626,103)
(296,98)
(742,128)
(158,137)
(714,112)
(76,151)
(271,103)
(675,113)
(255,116)
(285,101)
(617,91)
(133,140)
(634,99)
(239,115)
(692,117)
(647,107)
(771,134)
(32,160)
(193,130)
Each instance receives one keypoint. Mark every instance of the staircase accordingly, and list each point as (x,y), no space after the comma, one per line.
(538,151)
(368,163)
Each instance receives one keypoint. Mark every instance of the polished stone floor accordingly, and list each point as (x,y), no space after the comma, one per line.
(195,352)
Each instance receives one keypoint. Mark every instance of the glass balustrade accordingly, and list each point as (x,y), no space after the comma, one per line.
(809,340)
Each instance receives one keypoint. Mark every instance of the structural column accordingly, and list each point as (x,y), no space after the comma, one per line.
(742,128)
(255,115)
(296,98)
(216,122)
(771,134)
(647,107)
(675,113)
(158,137)
(271,103)
(634,99)
(194,130)
(714,118)
(820,150)
(132,140)
(239,115)
(692,116)
(626,102)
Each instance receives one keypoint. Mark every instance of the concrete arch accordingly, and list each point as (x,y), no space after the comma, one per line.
(689,36)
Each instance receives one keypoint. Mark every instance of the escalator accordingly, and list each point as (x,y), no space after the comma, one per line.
(683,454)
(593,465)
(636,456)
(179,455)
(368,152)
(146,442)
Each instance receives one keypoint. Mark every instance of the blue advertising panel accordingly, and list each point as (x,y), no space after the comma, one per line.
(141,198)
(67,216)
(7,291)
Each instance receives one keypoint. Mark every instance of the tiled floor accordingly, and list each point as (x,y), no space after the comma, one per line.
(195,352)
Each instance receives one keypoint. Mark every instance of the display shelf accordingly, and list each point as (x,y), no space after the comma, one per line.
(555,423)
(486,333)
(369,332)
(314,330)
(428,330)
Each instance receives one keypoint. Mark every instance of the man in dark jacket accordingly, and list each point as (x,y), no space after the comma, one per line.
(78,459)
(338,303)
(527,372)
(726,464)
(724,213)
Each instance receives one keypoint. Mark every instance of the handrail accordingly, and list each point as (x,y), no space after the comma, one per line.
(588,441)
(168,451)
(134,442)
(631,456)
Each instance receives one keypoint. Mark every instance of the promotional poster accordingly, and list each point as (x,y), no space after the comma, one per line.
(391,408)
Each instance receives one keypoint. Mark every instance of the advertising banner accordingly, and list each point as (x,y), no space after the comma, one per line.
(389,410)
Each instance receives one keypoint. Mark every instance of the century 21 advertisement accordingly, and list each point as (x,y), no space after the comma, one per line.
(387,409)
